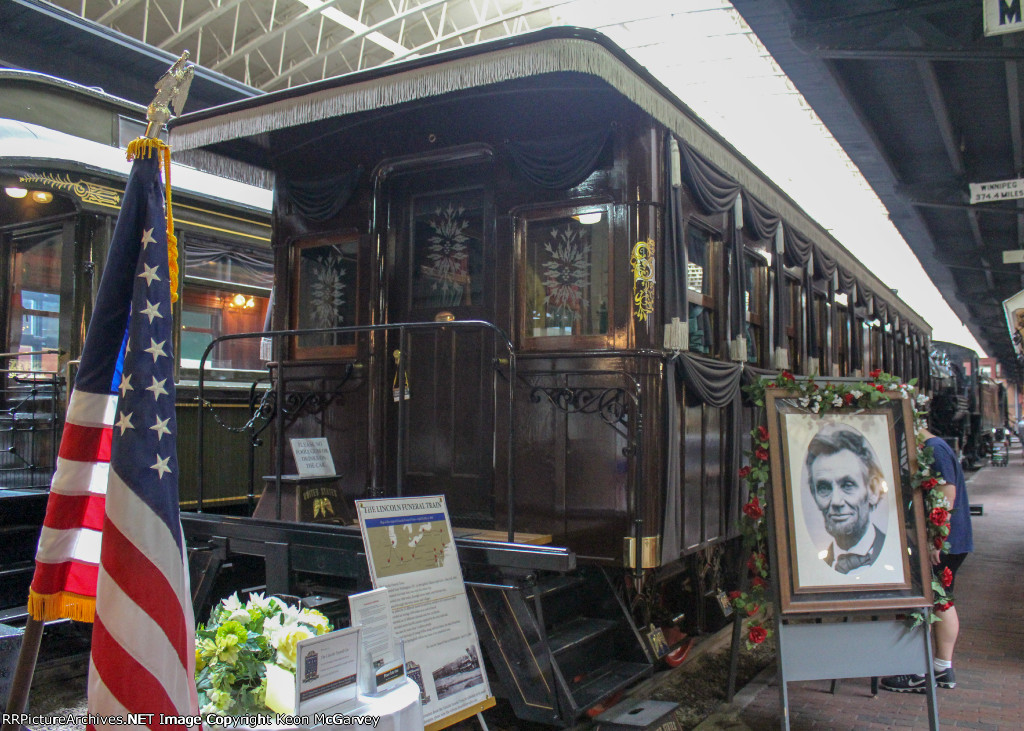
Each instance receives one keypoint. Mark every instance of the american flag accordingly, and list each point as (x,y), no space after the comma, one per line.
(112,536)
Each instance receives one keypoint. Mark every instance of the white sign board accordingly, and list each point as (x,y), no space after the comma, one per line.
(313,456)
(411,551)
(1002,16)
(1014,308)
(997,190)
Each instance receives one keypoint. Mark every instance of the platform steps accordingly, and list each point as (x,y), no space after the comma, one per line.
(558,645)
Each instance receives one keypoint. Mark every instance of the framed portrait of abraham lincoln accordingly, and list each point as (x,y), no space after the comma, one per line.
(847,523)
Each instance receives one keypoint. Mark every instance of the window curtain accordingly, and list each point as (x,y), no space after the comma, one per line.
(323,198)
(560,162)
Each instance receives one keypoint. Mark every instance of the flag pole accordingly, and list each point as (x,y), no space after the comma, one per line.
(172,89)
(17,701)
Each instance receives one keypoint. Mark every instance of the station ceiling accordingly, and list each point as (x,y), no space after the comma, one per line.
(925,104)
(920,99)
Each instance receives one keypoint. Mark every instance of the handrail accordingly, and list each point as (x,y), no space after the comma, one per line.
(403,328)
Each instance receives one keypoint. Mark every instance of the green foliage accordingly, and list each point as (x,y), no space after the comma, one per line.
(234,647)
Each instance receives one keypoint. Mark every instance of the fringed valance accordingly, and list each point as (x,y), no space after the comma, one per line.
(561,162)
(321,199)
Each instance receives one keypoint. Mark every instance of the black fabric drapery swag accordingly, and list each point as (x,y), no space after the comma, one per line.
(716,384)
(559,162)
(715,192)
(321,199)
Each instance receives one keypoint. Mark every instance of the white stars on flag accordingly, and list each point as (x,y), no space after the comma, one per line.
(151,310)
(126,384)
(161,466)
(125,422)
(157,388)
(156,349)
(149,274)
(160,427)
(147,238)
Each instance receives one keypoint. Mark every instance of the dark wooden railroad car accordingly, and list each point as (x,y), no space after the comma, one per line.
(551,279)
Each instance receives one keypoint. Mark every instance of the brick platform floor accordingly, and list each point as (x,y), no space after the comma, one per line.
(989,658)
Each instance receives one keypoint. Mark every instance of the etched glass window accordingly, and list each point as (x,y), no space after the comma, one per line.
(447,249)
(567,280)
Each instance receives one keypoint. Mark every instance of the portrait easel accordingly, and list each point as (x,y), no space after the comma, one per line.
(843,632)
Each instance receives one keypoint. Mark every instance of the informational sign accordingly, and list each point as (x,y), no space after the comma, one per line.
(312,456)
(371,610)
(1002,16)
(1014,308)
(327,671)
(997,190)
(410,550)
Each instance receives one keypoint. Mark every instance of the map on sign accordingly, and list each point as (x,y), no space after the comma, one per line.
(401,547)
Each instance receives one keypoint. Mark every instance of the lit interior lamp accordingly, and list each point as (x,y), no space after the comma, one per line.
(16,192)
(589,219)
(241,302)
(42,196)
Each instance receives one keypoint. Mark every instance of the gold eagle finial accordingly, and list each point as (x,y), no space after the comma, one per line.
(171,90)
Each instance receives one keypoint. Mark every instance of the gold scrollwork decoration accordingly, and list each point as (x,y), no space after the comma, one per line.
(99,195)
(642,261)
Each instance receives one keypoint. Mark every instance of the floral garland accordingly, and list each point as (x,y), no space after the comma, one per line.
(821,398)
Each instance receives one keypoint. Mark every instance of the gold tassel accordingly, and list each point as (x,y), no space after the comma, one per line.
(144,147)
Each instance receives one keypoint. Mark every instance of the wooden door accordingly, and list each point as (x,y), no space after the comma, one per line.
(440,267)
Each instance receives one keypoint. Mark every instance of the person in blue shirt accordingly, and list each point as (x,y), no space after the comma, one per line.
(961,542)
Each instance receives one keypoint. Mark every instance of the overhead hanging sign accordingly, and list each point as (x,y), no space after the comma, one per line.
(1014,307)
(997,190)
(1002,16)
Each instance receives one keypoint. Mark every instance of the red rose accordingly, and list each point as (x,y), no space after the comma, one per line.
(787,376)
(938,541)
(734,595)
(758,582)
(754,560)
(753,509)
(761,453)
(876,373)
(744,472)
(929,483)
(847,398)
(762,433)
(939,516)
(753,609)
(757,635)
(880,388)
(946,577)
(943,607)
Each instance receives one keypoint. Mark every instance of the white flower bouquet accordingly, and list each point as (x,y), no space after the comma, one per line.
(234,648)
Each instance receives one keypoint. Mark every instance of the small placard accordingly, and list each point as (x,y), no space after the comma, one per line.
(312,456)
(372,611)
(327,671)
